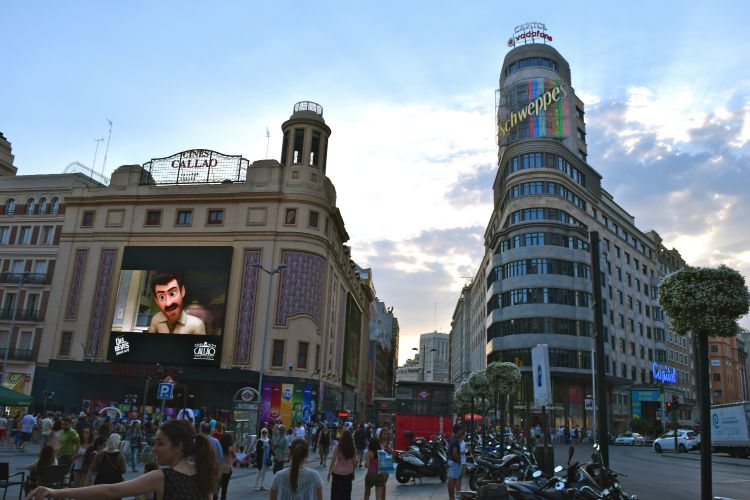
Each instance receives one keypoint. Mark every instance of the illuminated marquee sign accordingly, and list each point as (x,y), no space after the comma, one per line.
(539,104)
(666,374)
(195,166)
(529,33)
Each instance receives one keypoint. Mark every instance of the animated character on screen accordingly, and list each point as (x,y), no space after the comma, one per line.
(169,292)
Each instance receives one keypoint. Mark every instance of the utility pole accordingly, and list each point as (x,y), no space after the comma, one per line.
(601,388)
(106,151)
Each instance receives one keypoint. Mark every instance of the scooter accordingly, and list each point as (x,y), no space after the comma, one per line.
(431,461)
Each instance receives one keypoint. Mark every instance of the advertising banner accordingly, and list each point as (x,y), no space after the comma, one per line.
(537,107)
(287,403)
(265,398)
(540,371)
(287,393)
(352,341)
(170,305)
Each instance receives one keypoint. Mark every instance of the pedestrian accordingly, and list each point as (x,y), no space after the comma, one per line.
(98,446)
(262,459)
(176,442)
(372,478)
(360,444)
(206,431)
(47,428)
(109,466)
(299,431)
(218,431)
(3,426)
(134,437)
(454,460)
(86,440)
(279,448)
(15,430)
(68,442)
(324,444)
(343,463)
(387,446)
(27,427)
(314,436)
(297,482)
(227,448)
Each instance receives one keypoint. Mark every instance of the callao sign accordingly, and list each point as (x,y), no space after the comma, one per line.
(666,374)
(529,33)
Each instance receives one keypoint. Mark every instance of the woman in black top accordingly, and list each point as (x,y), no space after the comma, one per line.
(183,480)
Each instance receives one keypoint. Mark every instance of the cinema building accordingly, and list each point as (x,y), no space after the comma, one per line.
(534,284)
(224,232)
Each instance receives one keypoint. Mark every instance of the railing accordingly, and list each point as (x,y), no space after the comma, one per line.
(17,354)
(21,314)
(25,278)
(308,106)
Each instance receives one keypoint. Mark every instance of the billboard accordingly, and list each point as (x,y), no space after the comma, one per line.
(287,403)
(170,305)
(352,337)
(537,107)
(540,370)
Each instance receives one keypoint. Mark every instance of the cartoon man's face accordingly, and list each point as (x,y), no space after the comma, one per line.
(169,299)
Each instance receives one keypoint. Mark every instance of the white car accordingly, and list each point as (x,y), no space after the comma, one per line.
(686,440)
(630,438)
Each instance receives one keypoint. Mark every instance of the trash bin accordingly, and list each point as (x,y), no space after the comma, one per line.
(545,458)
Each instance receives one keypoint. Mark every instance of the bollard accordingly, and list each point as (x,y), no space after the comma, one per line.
(545,458)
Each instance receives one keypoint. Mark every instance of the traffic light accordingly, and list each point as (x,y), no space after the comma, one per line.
(670,405)
(675,402)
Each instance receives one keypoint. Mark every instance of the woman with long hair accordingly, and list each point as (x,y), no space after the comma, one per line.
(343,463)
(225,469)
(134,436)
(297,481)
(262,459)
(86,440)
(372,478)
(45,459)
(385,444)
(109,467)
(88,458)
(176,441)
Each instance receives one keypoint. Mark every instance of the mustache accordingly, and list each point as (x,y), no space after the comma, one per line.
(171,307)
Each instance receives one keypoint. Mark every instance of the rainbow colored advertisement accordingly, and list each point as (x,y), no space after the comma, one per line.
(537,107)
(288,403)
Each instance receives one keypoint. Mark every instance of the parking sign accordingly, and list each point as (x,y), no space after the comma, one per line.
(164,391)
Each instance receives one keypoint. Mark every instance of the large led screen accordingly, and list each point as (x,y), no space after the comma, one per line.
(537,107)
(170,305)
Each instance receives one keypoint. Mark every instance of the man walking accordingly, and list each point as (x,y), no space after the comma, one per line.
(360,443)
(27,427)
(68,442)
(454,460)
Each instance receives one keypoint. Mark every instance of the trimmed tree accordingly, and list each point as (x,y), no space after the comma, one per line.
(503,378)
(707,302)
(480,387)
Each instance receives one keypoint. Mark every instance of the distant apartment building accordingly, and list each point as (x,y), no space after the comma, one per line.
(384,349)
(435,350)
(410,371)
(727,371)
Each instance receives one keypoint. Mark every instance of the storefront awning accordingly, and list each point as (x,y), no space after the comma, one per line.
(9,397)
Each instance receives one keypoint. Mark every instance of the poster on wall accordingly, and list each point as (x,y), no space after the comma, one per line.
(287,403)
(170,305)
(351,341)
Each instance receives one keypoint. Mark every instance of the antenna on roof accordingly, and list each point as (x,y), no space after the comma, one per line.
(106,151)
(268,140)
(96,151)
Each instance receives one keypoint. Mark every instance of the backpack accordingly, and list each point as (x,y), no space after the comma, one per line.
(108,472)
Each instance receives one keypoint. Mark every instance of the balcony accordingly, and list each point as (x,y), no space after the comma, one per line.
(17,354)
(25,278)
(21,314)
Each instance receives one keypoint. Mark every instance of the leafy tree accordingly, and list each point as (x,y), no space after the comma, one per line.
(480,388)
(502,378)
(707,302)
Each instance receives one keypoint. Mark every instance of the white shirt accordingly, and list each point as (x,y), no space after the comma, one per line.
(299,432)
(3,423)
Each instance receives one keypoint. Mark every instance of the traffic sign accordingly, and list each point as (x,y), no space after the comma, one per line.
(165,391)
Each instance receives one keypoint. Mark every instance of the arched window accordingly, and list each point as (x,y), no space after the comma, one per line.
(30,206)
(42,206)
(54,206)
(10,206)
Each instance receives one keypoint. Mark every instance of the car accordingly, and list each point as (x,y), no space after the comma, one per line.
(686,440)
(630,438)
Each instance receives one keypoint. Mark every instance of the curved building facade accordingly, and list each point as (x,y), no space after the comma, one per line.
(535,281)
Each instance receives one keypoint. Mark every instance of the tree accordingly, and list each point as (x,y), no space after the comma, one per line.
(707,302)
(480,387)
(462,399)
(502,378)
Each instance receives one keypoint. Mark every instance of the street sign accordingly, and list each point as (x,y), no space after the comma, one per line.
(588,404)
(165,391)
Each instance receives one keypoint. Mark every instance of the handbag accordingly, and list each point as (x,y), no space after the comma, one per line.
(385,463)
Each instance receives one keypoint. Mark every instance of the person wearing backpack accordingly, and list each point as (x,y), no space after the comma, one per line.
(108,467)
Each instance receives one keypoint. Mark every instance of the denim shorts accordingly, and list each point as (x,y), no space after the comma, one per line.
(454,470)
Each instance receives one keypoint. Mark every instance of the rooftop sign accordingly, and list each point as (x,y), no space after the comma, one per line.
(195,166)
(666,374)
(529,33)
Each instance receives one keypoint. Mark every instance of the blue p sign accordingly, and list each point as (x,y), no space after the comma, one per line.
(164,391)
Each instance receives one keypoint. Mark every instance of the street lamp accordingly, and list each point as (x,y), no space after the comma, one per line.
(21,280)
(265,333)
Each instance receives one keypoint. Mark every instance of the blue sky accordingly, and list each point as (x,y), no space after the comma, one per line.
(408,89)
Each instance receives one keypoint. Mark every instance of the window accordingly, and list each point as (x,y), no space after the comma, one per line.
(88,219)
(620,321)
(10,206)
(290,217)
(314,216)
(627,258)
(617,250)
(622,346)
(619,297)
(631,326)
(302,355)
(184,217)
(65,343)
(216,216)
(315,149)
(54,206)
(4,339)
(277,353)
(30,206)
(619,274)
(153,217)
(43,206)
(24,235)
(630,302)
(716,377)
(40,267)
(581,135)
(628,278)
(299,138)
(650,355)
(714,348)
(632,349)
(24,341)
(642,351)
(640,329)
(48,235)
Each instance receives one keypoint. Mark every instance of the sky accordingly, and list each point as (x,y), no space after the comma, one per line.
(408,90)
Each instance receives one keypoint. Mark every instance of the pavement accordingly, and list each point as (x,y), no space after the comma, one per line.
(650,475)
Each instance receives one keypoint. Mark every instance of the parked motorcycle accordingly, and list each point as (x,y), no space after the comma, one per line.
(431,460)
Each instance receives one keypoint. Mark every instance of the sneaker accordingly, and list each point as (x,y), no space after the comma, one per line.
(263,488)
(257,488)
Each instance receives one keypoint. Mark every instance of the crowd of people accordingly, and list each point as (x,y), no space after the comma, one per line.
(188,460)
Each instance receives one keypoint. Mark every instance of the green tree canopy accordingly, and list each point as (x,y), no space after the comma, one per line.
(479,384)
(704,300)
(502,377)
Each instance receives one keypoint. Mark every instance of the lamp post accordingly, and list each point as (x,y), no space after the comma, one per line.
(21,280)
(265,333)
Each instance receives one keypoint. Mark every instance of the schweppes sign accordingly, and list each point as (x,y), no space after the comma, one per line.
(536,107)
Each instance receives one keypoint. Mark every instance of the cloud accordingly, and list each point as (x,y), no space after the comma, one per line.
(683,172)
(474,187)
